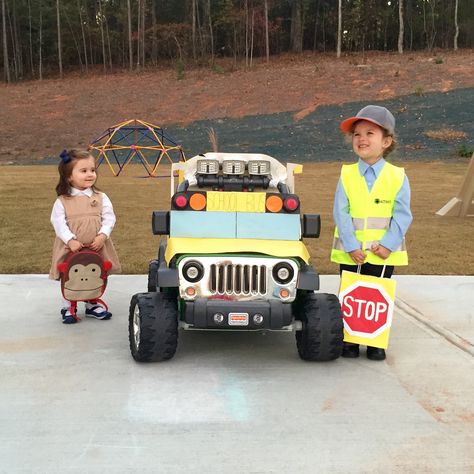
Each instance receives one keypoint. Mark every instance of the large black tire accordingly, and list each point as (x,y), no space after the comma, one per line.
(153,326)
(321,336)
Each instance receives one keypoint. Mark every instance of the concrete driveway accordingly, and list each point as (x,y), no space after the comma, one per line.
(72,400)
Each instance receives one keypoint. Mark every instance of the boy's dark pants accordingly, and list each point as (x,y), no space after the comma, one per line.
(373,270)
(369,269)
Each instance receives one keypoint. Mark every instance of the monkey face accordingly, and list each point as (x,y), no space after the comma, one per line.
(83,282)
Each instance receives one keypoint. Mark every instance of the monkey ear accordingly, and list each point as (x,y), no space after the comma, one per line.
(62,267)
(107,265)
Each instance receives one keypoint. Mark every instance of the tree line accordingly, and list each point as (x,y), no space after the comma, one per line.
(46,37)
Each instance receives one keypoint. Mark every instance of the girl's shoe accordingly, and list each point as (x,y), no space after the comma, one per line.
(68,318)
(97,311)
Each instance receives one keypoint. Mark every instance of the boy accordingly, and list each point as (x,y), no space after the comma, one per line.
(371,206)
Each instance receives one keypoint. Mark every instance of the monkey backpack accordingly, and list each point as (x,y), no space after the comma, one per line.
(83,277)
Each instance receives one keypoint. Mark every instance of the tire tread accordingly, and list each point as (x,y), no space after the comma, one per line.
(159,327)
(322,334)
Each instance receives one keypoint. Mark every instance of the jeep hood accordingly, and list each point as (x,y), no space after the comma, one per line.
(276,248)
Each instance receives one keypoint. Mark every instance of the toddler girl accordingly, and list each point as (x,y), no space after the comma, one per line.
(82,216)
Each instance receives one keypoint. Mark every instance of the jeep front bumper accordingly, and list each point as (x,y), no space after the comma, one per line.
(237,315)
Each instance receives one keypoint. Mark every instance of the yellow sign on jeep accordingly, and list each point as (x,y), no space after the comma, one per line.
(235,201)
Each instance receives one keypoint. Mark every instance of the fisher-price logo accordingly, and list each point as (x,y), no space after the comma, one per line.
(367,309)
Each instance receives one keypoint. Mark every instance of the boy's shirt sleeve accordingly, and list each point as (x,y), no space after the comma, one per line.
(343,219)
(401,219)
(58,219)
(108,216)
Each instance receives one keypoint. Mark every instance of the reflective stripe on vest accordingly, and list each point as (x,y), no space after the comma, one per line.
(375,223)
(337,245)
(371,213)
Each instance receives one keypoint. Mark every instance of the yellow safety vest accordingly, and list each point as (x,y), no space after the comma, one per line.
(371,213)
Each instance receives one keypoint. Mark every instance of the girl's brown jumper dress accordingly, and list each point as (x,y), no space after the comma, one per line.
(83,217)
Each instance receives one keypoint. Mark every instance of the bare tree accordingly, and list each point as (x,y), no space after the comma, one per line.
(339,28)
(252,32)
(193,16)
(6,64)
(89,39)
(60,53)
(30,39)
(143,31)
(16,46)
(100,17)
(211,32)
(296,33)
(130,50)
(108,42)
(267,45)
(235,45)
(78,49)
(199,29)
(40,45)
(316,20)
(246,9)
(456,25)
(433,27)
(429,35)
(139,35)
(401,29)
(79,7)
(154,41)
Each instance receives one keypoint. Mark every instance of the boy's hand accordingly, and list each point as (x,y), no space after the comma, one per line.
(98,242)
(74,245)
(358,256)
(380,251)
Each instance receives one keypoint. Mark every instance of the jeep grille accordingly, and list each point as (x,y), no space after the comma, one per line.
(236,277)
(226,278)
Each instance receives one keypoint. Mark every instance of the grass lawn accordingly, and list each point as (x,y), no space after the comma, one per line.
(436,245)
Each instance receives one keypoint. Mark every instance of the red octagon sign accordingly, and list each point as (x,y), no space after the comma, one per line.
(367,309)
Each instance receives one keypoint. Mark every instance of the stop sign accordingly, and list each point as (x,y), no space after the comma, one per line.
(367,309)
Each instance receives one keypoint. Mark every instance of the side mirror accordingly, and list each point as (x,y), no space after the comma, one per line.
(311,225)
(160,222)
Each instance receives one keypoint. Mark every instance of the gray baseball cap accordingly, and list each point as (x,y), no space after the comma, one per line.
(372,113)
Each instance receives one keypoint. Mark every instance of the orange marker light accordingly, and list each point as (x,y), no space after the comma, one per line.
(197,202)
(274,203)
(190,291)
(284,293)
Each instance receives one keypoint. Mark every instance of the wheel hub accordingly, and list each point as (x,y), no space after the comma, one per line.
(136,326)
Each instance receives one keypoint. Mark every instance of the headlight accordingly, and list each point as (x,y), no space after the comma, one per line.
(193,271)
(207,166)
(233,167)
(283,273)
(259,167)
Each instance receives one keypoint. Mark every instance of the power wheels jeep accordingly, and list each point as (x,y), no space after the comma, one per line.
(234,260)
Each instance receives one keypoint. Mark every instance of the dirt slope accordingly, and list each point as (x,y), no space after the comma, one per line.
(40,118)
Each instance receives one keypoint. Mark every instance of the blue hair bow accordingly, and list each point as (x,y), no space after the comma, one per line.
(64,155)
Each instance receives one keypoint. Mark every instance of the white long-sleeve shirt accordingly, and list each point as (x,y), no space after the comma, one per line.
(58,216)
